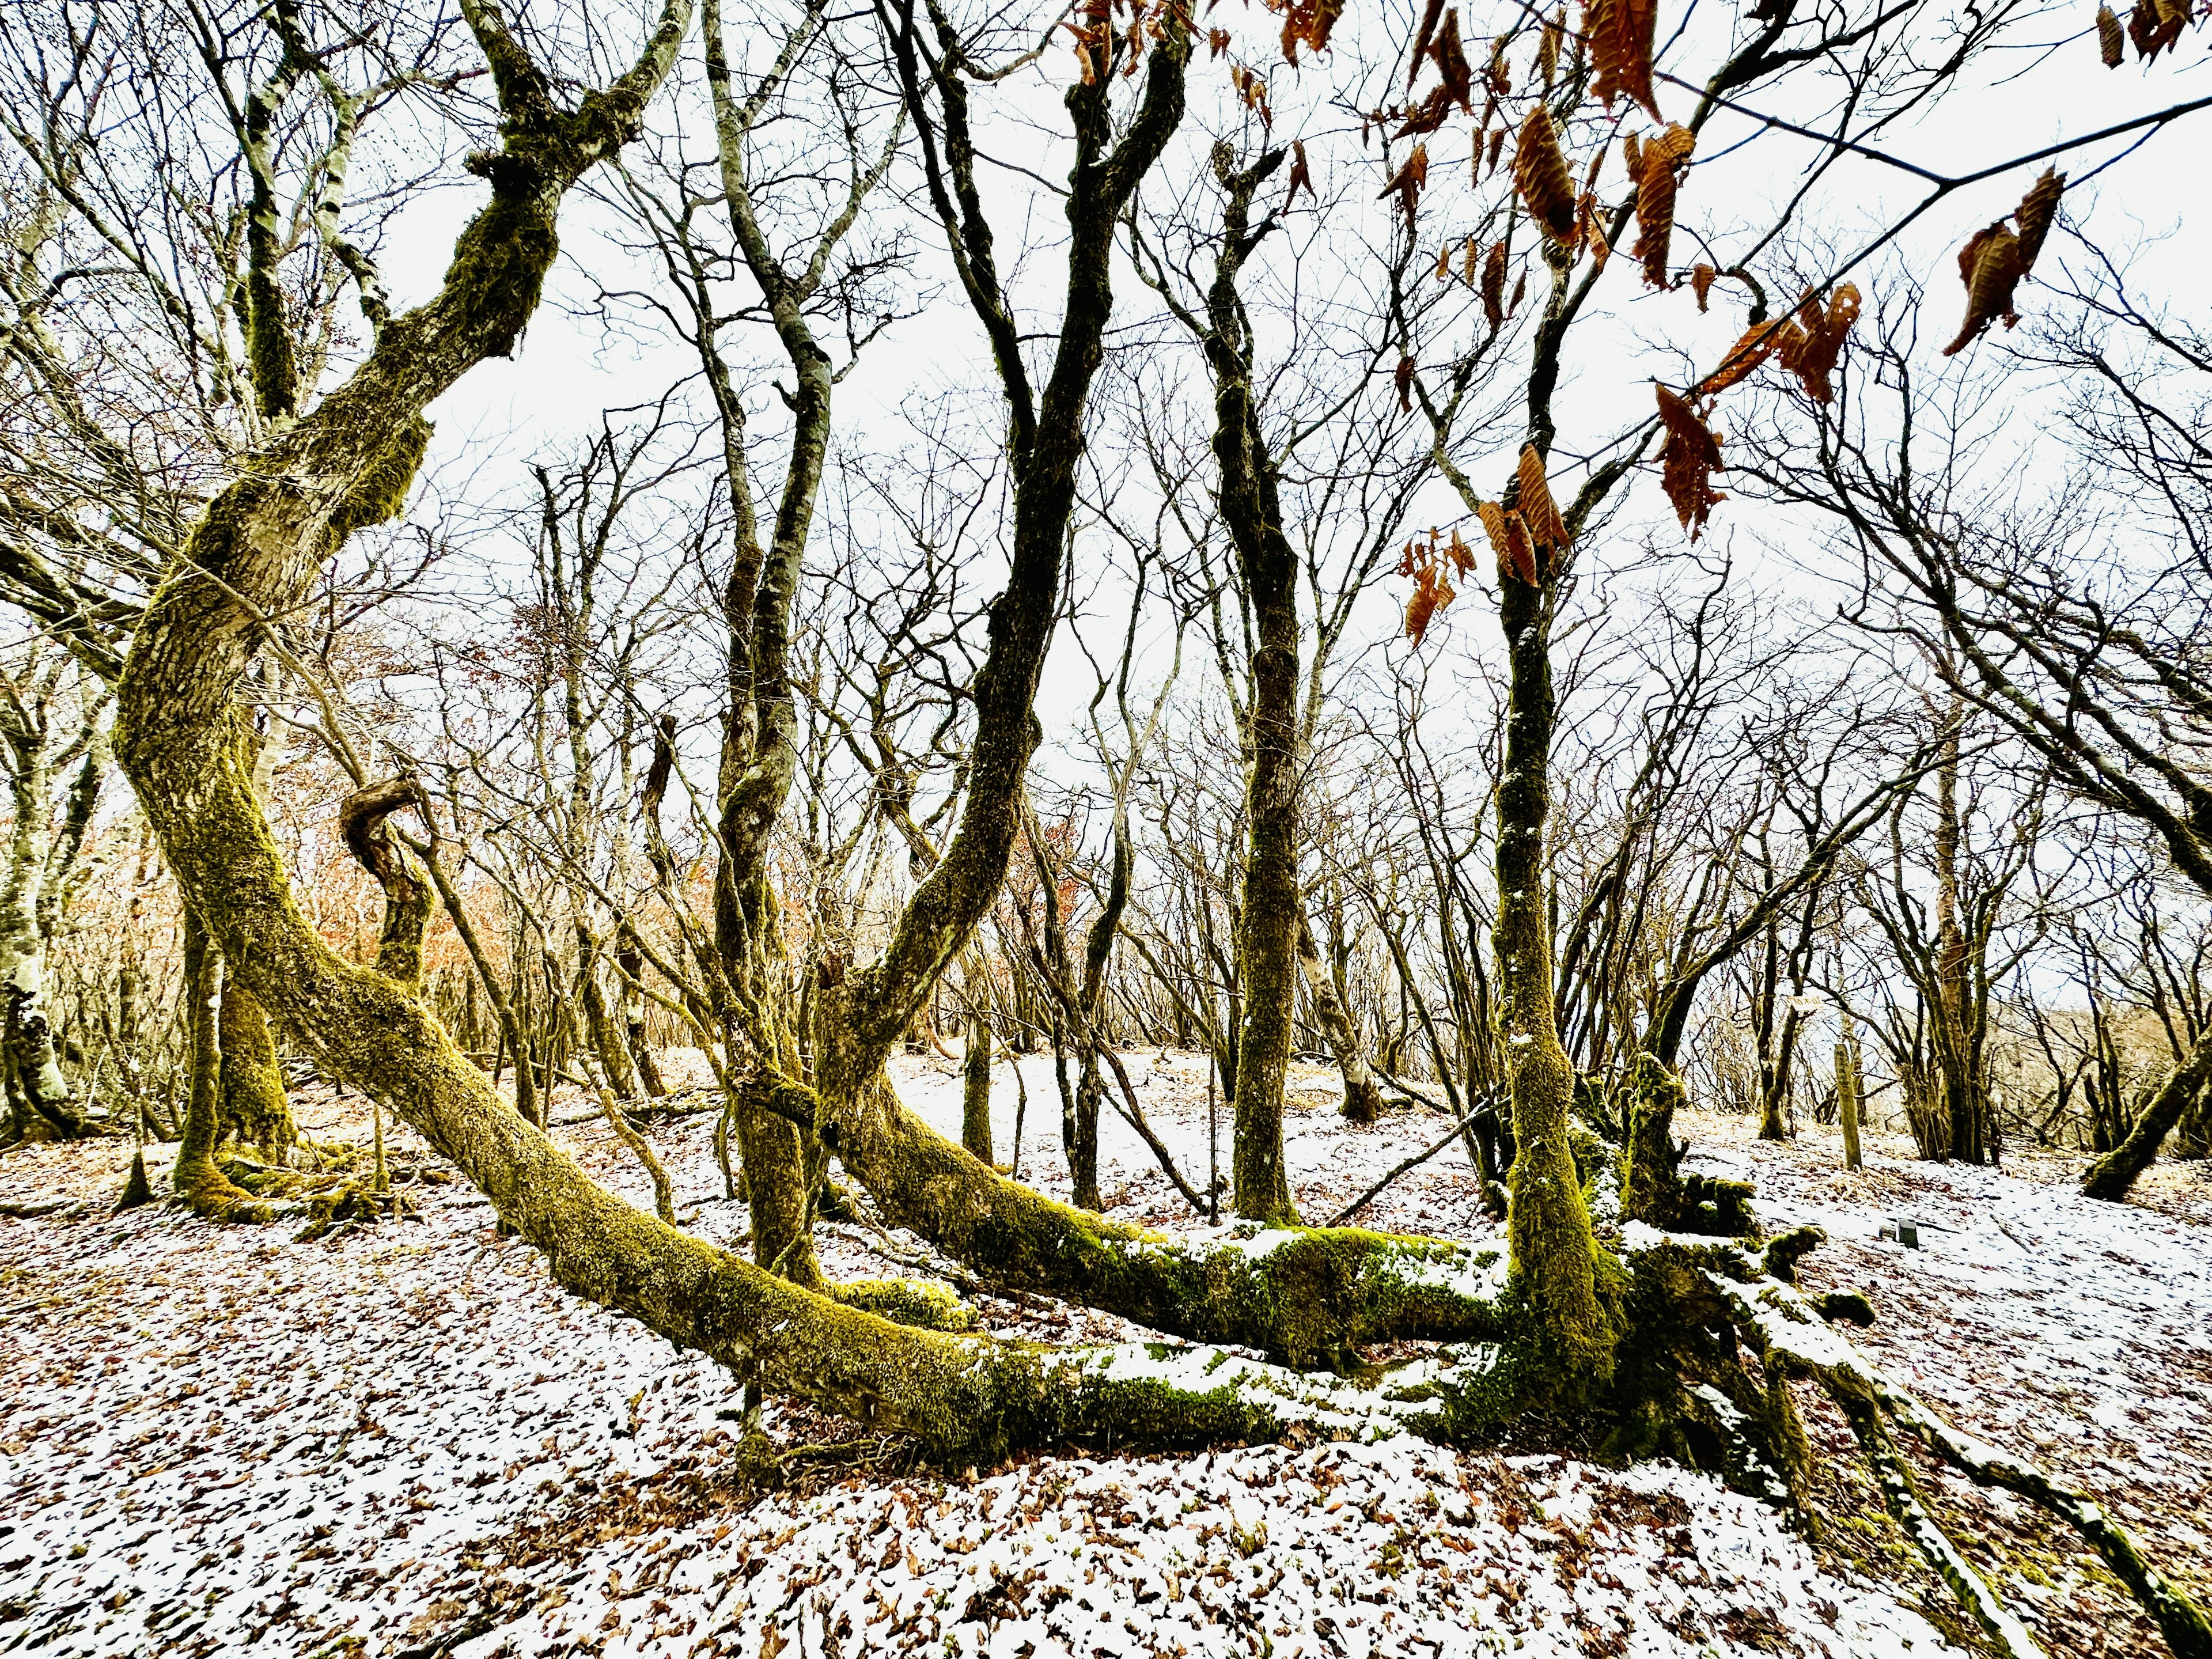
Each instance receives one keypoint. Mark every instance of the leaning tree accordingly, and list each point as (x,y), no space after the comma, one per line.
(1660,1335)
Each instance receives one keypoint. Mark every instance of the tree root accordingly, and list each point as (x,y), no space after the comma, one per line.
(1792,1340)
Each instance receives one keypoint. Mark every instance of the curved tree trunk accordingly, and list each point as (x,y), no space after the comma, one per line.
(2112,1175)
(1363,1099)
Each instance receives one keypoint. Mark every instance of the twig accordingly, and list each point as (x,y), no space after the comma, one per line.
(1417,1158)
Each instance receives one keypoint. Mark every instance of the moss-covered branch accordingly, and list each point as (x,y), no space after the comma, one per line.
(1303,1296)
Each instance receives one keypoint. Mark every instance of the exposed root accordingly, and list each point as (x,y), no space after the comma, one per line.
(1793,1341)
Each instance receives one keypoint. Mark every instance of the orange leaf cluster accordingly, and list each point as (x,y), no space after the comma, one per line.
(1691,456)
(1652,167)
(1996,257)
(1432,561)
(1308,23)
(2155,25)
(1620,34)
(1252,88)
(1806,344)
(1528,536)
(1539,173)
(1535,503)
(1408,181)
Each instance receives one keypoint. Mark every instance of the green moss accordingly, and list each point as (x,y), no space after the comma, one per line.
(920,1303)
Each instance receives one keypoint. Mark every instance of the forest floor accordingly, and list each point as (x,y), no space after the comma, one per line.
(401,1439)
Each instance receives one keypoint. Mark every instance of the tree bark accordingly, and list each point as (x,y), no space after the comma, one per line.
(975,1088)
(251,1107)
(1363,1099)
(1849,1094)
(2112,1175)
(1554,1252)
(1270,912)
(195,1177)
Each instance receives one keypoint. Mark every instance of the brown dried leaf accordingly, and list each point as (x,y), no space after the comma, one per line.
(1539,173)
(1509,541)
(1444,262)
(1426,116)
(1520,293)
(1408,181)
(1990,266)
(2034,214)
(1546,530)
(1493,286)
(1309,22)
(1453,69)
(1430,13)
(1809,350)
(1497,74)
(1301,175)
(1759,342)
(1432,591)
(1404,380)
(2111,39)
(1691,456)
(1620,34)
(1655,212)
(1547,52)
(1471,270)
(1701,282)
(1497,148)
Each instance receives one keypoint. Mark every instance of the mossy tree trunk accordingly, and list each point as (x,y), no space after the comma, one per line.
(252,1109)
(2112,1175)
(194,1177)
(975,1087)
(1270,909)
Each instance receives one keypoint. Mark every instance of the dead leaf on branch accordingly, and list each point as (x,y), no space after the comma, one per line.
(1653,166)
(2111,39)
(1701,282)
(1547,50)
(1509,541)
(1809,349)
(1539,173)
(1405,383)
(1431,15)
(1493,286)
(1688,459)
(1453,70)
(1996,257)
(1301,175)
(1408,181)
(1308,23)
(1759,343)
(1620,33)
(1430,561)
(1538,511)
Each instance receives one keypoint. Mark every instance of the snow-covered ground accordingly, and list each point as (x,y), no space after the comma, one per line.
(404,1440)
